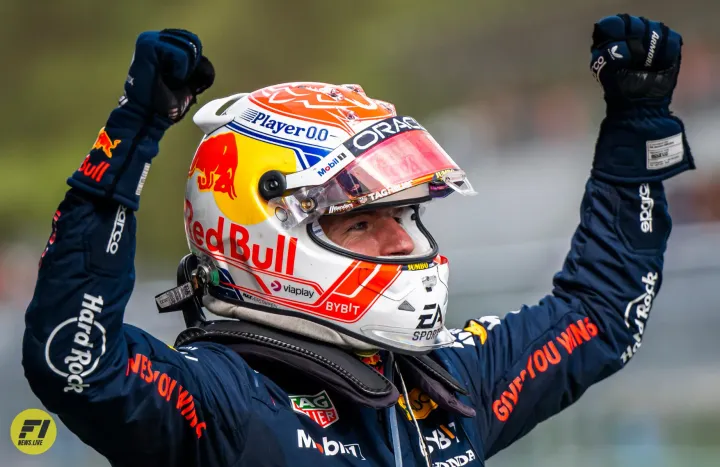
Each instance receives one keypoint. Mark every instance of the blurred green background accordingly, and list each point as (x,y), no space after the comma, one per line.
(505,88)
(66,64)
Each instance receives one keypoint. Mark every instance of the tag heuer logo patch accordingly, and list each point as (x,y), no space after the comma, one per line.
(318,407)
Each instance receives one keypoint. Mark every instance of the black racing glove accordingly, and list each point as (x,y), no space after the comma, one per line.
(637,62)
(167,72)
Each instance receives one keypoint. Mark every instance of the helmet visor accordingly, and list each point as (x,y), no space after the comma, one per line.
(381,166)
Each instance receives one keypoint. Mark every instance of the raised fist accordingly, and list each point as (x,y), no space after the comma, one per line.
(167,72)
(636,60)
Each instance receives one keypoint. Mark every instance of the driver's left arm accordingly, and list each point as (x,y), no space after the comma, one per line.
(535,362)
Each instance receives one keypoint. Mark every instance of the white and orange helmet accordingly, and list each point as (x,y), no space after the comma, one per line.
(275,161)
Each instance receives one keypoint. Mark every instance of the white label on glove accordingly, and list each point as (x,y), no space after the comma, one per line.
(143,176)
(663,153)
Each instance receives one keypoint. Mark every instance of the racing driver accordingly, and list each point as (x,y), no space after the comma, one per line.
(303,215)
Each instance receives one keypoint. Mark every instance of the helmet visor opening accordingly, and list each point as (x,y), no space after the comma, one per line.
(390,235)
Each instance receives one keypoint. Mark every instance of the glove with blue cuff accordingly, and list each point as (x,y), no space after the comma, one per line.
(167,72)
(637,62)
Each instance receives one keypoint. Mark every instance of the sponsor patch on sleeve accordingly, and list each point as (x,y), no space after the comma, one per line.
(663,153)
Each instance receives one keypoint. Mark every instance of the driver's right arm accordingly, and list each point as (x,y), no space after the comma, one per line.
(119,389)
(128,395)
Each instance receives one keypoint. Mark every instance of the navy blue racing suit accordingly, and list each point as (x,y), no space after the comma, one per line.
(140,402)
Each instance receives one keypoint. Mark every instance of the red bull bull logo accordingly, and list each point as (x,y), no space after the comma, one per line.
(105,143)
(216,161)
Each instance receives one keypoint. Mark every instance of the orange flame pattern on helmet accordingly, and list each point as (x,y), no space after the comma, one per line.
(322,103)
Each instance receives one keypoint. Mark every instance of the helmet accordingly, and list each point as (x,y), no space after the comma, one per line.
(276,160)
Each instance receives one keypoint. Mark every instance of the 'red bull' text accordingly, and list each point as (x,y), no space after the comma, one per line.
(281,258)
(94,171)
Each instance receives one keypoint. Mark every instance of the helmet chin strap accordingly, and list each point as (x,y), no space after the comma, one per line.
(291,324)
